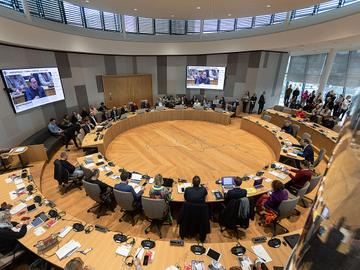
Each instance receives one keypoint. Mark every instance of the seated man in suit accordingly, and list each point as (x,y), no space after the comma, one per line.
(237,192)
(114,115)
(65,164)
(123,109)
(307,153)
(87,126)
(92,119)
(196,193)
(287,128)
(104,188)
(125,187)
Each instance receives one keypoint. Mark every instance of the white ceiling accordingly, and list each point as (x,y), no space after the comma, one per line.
(188,9)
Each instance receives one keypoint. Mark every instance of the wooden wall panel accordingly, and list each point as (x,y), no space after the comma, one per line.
(120,89)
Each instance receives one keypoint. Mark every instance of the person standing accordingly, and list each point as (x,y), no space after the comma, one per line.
(261,103)
(295,95)
(345,106)
(245,100)
(287,95)
(252,102)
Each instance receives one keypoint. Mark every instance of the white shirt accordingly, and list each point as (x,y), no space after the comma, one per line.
(345,104)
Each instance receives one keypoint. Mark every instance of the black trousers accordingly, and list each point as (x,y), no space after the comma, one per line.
(261,108)
(286,101)
(68,139)
(251,107)
(244,106)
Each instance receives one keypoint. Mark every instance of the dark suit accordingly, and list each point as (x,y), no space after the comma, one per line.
(93,120)
(114,114)
(308,153)
(235,194)
(87,128)
(195,194)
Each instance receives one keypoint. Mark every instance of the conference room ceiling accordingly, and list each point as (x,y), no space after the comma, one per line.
(195,9)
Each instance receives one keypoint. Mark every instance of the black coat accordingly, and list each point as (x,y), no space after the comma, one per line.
(235,194)
(194,220)
(195,194)
(8,238)
(229,216)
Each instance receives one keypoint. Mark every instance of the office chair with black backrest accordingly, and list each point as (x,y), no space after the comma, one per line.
(127,203)
(94,192)
(155,210)
(296,129)
(278,108)
(65,179)
(320,157)
(286,208)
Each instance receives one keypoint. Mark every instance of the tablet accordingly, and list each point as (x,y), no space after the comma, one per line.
(213,254)
(37,221)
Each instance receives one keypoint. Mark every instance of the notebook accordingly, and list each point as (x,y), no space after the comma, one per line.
(67,249)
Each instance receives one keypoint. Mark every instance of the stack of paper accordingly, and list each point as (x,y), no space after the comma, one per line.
(281,176)
(123,250)
(67,249)
(260,251)
(181,187)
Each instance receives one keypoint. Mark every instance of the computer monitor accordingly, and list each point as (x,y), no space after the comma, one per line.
(227,181)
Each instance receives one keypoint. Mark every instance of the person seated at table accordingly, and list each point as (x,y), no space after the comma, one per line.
(93,110)
(87,126)
(94,179)
(287,128)
(73,170)
(54,128)
(237,192)
(125,187)
(196,193)
(84,113)
(114,115)
(75,118)
(272,200)
(308,151)
(102,107)
(76,264)
(300,113)
(10,232)
(93,119)
(301,176)
(158,191)
(133,107)
(123,110)
(65,122)
(325,112)
(197,103)
(34,91)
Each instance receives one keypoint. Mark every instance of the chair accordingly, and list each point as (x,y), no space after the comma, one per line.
(194,219)
(266,117)
(87,172)
(319,158)
(126,201)
(156,211)
(5,158)
(299,193)
(278,108)
(296,129)
(94,192)
(7,259)
(286,209)
(65,179)
(315,179)
(306,136)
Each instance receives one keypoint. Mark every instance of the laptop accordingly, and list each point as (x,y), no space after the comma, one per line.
(227,183)
(258,183)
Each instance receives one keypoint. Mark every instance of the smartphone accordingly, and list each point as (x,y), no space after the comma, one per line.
(31,207)
(146,260)
(213,254)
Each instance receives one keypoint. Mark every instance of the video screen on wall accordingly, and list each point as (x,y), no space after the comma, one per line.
(203,77)
(32,87)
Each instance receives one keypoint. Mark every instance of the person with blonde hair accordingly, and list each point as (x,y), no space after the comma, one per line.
(158,191)
(77,264)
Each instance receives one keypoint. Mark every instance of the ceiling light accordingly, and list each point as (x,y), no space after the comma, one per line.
(268,6)
(87,1)
(135,9)
(198,7)
(229,15)
(172,15)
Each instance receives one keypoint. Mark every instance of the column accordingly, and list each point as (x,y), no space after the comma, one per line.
(26,9)
(288,17)
(326,71)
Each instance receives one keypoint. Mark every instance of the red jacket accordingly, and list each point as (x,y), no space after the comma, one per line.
(300,178)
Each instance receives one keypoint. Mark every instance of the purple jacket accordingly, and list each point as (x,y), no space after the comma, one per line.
(276,198)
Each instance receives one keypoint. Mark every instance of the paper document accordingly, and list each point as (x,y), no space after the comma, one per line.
(136,176)
(18,180)
(261,253)
(123,250)
(20,186)
(67,249)
(39,231)
(8,180)
(65,231)
(292,154)
(151,180)
(13,195)
(17,149)
(181,187)
(16,209)
(282,176)
(138,189)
